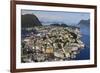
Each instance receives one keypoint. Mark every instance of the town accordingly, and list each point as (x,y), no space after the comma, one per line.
(50,43)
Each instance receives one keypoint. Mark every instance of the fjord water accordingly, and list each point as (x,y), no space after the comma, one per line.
(85,52)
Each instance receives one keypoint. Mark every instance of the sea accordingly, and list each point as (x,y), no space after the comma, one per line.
(85,52)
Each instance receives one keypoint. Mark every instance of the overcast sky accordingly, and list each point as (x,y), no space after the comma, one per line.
(58,16)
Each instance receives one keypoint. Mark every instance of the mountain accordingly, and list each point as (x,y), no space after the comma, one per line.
(29,20)
(84,26)
(57,24)
(84,23)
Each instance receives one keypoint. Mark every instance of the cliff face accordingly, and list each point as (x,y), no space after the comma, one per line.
(29,20)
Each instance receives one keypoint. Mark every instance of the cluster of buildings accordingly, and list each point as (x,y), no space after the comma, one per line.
(51,43)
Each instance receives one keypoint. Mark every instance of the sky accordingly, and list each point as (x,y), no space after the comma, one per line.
(72,18)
